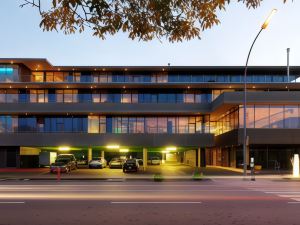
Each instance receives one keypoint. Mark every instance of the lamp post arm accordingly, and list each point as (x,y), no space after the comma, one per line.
(245,108)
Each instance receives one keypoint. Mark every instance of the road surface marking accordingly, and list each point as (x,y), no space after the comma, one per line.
(12,202)
(291,195)
(282,192)
(155,202)
(99,190)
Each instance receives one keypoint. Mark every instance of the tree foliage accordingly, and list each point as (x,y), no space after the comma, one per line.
(175,20)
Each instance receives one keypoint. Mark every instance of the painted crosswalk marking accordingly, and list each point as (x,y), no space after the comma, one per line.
(293,197)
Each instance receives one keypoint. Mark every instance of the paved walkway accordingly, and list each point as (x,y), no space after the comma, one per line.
(165,171)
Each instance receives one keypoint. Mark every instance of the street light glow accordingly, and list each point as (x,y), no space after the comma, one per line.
(124,150)
(267,21)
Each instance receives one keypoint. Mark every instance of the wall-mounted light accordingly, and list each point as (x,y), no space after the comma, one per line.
(124,150)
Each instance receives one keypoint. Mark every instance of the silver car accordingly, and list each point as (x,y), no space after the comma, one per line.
(97,162)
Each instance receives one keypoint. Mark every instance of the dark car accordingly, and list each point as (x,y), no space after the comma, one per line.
(64,165)
(130,165)
(71,158)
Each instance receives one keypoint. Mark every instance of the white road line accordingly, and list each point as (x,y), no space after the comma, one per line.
(134,190)
(112,185)
(289,196)
(282,192)
(155,202)
(12,202)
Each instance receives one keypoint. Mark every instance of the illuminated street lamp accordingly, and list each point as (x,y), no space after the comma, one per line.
(245,141)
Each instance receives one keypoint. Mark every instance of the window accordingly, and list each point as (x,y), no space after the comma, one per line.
(249,116)
(2,96)
(126,98)
(37,77)
(140,125)
(11,96)
(67,96)
(102,120)
(151,124)
(38,96)
(276,117)
(58,77)
(162,125)
(93,124)
(262,116)
(183,125)
(188,97)
(291,116)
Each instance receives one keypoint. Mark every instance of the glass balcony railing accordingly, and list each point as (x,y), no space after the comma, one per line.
(148,79)
(107,98)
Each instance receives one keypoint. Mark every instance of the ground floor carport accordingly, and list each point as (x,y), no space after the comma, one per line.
(30,157)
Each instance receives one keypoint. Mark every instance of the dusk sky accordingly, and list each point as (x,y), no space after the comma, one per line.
(226,44)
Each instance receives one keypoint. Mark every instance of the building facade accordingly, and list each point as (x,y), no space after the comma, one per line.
(190,114)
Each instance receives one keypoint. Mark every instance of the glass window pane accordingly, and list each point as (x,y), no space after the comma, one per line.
(291,116)
(93,124)
(262,116)
(276,117)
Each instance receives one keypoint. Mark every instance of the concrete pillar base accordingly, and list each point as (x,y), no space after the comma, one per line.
(90,154)
(145,158)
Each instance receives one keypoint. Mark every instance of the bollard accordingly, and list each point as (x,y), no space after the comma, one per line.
(58,174)
(252,169)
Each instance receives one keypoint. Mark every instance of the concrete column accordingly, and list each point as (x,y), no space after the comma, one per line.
(198,157)
(145,158)
(163,158)
(102,154)
(89,154)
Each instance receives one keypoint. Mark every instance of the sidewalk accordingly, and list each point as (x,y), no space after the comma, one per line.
(164,172)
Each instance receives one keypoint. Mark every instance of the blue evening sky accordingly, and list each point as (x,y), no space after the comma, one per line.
(226,44)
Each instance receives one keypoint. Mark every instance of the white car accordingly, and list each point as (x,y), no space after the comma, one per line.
(97,162)
(155,161)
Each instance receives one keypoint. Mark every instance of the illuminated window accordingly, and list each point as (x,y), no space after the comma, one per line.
(37,77)
(93,124)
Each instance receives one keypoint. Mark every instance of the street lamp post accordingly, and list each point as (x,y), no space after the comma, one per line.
(245,139)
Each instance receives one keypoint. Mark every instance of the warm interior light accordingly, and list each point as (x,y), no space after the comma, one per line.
(267,21)
(112,146)
(171,148)
(64,148)
(296,166)
(124,150)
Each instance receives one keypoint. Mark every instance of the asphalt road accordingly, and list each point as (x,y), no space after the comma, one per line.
(200,202)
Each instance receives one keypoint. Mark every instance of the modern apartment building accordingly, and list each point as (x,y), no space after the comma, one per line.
(192,115)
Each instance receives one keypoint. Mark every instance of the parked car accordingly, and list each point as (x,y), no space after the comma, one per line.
(97,162)
(82,162)
(116,163)
(154,160)
(130,165)
(140,161)
(71,157)
(65,166)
